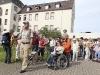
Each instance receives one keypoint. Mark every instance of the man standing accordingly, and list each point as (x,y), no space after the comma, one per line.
(7,42)
(26,37)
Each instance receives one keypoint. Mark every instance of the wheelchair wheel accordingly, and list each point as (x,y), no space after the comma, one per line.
(54,64)
(62,61)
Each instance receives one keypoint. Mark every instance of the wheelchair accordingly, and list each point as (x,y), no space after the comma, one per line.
(59,62)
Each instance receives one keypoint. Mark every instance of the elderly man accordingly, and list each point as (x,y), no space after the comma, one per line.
(26,37)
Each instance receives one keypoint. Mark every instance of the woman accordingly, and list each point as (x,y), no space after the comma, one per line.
(97,52)
(41,46)
(57,50)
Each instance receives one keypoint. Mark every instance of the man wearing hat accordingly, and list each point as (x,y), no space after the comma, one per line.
(26,37)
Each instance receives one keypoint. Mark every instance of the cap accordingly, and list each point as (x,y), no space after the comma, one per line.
(26,22)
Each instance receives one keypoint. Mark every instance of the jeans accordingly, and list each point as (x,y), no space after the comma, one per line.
(81,51)
(35,48)
(50,59)
(51,49)
(7,49)
(97,55)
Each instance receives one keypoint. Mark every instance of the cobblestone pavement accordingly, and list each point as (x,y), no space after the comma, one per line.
(81,67)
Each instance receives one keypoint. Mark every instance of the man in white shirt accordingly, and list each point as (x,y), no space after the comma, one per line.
(52,44)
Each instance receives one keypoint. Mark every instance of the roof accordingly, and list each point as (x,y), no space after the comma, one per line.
(52,7)
(16,2)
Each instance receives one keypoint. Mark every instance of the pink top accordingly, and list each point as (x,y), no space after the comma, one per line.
(97,49)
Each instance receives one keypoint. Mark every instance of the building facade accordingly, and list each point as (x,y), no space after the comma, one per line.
(59,15)
(8,14)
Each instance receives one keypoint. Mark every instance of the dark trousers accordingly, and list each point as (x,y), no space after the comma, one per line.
(67,56)
(35,48)
(81,51)
(8,53)
(71,54)
(41,51)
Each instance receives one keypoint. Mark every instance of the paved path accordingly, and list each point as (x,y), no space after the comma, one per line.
(76,68)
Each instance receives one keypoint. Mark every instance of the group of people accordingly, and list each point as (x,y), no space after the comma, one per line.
(28,39)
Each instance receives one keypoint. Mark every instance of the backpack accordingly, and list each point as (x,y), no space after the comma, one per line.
(5,39)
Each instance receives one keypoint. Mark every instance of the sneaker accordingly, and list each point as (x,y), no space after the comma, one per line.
(22,71)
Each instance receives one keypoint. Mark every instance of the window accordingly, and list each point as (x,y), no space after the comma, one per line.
(47,7)
(47,26)
(18,29)
(47,16)
(0,29)
(30,17)
(51,27)
(0,21)
(6,13)
(28,9)
(5,21)
(14,17)
(19,18)
(5,29)
(24,17)
(14,26)
(35,28)
(37,7)
(15,8)
(0,11)
(36,17)
(52,15)
(58,5)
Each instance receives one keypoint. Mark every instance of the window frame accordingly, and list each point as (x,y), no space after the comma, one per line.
(24,18)
(36,17)
(19,18)
(30,17)
(52,16)
(6,20)
(6,12)
(34,27)
(47,16)
(1,11)
(51,28)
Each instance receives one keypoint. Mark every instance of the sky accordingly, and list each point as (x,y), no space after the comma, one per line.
(87,14)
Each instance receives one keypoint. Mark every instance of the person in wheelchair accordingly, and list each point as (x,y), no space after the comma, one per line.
(57,51)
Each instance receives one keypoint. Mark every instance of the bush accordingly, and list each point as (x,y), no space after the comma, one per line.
(50,33)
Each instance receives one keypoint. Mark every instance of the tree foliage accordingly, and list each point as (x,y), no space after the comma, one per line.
(50,33)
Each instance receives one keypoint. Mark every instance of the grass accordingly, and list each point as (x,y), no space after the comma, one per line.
(2,54)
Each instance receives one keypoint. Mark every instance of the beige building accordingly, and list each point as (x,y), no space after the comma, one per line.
(59,15)
(8,14)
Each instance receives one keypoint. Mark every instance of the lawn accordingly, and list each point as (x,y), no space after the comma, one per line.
(2,54)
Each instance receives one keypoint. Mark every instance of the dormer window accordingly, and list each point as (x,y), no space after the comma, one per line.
(58,5)
(29,8)
(47,7)
(37,7)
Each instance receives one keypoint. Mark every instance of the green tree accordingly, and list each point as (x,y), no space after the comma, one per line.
(54,33)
